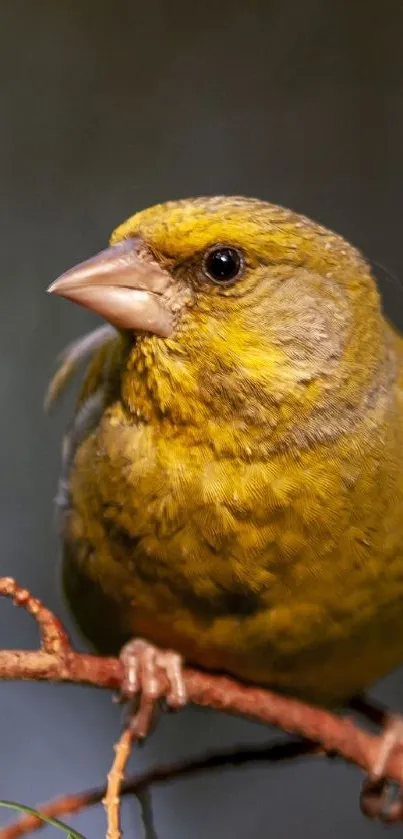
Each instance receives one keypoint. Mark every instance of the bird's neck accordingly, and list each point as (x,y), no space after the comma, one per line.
(246,416)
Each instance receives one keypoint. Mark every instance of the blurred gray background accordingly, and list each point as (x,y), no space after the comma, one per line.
(106,108)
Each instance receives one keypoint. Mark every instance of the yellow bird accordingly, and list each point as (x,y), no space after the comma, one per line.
(233,478)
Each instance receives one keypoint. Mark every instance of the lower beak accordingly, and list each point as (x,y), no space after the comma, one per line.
(123,285)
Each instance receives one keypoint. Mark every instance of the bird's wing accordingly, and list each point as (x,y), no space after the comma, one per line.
(102,350)
(80,350)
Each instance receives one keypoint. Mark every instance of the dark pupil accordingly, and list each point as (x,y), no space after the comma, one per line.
(223,264)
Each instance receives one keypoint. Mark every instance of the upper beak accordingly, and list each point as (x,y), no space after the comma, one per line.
(122,285)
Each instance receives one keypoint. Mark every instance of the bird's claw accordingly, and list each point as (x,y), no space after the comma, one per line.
(377,798)
(150,674)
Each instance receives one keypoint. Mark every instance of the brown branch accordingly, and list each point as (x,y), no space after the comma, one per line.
(56,661)
(111,801)
(335,733)
(54,638)
(277,752)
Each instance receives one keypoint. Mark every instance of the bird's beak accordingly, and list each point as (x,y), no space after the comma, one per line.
(123,285)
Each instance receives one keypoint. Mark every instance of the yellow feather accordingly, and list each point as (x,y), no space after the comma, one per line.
(241,496)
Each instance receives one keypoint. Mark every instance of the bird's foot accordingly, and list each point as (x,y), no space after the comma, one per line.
(379,797)
(150,674)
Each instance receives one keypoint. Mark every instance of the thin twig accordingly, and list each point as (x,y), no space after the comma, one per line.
(277,752)
(111,801)
(54,638)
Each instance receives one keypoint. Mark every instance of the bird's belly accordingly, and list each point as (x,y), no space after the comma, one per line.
(302,646)
(322,643)
(282,586)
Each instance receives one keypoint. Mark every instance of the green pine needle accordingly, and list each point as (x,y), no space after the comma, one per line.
(71,834)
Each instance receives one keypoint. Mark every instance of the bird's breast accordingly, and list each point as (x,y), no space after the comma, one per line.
(236,563)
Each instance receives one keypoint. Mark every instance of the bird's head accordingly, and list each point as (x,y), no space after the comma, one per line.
(236,309)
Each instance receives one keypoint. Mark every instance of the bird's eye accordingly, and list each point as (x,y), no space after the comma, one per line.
(223,264)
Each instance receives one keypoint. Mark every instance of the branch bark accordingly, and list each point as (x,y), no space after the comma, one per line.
(56,661)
